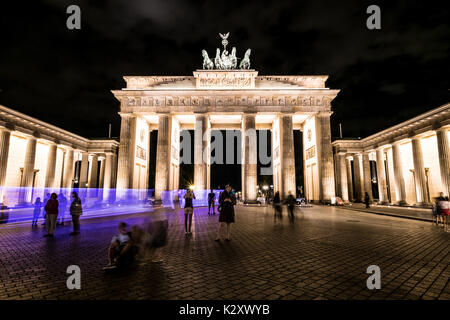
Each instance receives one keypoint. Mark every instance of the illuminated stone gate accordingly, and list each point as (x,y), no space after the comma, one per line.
(226,99)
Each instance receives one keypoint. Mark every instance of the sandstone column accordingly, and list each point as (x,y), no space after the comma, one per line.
(108,175)
(200,153)
(419,172)
(325,157)
(51,166)
(349,178)
(249,157)
(343,176)
(28,171)
(359,176)
(107,180)
(68,168)
(101,179)
(444,159)
(5,136)
(381,177)
(94,171)
(162,156)
(125,151)
(114,171)
(288,157)
(400,190)
(367,175)
(84,170)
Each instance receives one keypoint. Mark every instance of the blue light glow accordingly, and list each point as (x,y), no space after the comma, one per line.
(19,204)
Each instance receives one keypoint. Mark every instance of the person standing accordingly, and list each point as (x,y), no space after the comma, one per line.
(75,211)
(51,209)
(47,197)
(211,199)
(367,200)
(188,210)
(290,202)
(227,201)
(37,211)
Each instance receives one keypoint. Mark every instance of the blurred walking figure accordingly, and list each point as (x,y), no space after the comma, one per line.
(150,238)
(75,211)
(211,199)
(51,209)
(290,202)
(62,208)
(37,211)
(47,197)
(158,231)
(278,215)
(188,210)
(227,201)
(367,200)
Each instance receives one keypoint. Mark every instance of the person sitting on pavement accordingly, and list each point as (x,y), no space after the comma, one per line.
(121,245)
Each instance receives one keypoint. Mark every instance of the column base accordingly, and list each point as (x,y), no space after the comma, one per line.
(402,203)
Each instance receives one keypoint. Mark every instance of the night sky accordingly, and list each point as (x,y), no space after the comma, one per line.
(65,76)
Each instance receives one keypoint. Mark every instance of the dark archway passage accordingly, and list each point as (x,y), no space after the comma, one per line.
(227,171)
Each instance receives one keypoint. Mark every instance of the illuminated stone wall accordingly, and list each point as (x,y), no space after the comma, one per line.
(37,155)
(419,170)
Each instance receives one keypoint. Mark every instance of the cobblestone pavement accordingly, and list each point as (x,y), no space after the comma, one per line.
(323,255)
(424,214)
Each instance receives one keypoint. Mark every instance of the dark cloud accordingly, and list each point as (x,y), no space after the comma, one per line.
(65,77)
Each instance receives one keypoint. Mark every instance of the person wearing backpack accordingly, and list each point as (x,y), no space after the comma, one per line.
(75,211)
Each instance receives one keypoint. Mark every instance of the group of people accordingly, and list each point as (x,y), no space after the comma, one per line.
(55,207)
(227,201)
(278,209)
(441,212)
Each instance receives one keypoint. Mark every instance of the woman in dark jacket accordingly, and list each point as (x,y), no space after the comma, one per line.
(51,209)
(227,202)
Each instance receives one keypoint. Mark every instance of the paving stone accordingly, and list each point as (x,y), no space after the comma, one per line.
(321,256)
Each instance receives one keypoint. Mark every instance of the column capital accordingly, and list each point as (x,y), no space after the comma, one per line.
(2,128)
(324,113)
(51,142)
(442,129)
(66,147)
(126,115)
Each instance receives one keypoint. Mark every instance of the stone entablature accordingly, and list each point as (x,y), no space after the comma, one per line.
(135,82)
(225,79)
(16,121)
(431,120)
(155,82)
(238,101)
(301,81)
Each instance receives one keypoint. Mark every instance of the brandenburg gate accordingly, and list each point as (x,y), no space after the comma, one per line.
(225,96)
